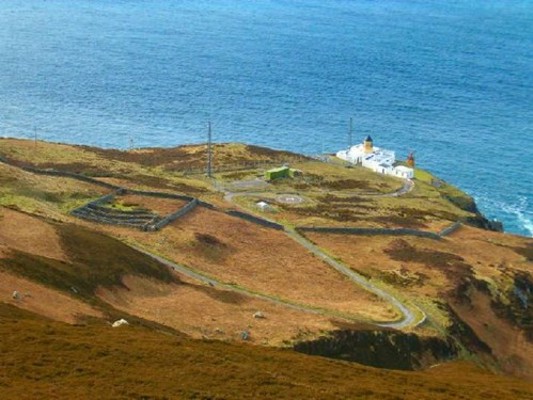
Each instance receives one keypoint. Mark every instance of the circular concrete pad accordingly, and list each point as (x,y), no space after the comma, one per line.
(289,199)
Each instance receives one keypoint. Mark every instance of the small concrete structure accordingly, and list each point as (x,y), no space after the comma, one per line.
(263,206)
(378,160)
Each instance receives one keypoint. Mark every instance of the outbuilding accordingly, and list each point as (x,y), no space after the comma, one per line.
(404,172)
(277,173)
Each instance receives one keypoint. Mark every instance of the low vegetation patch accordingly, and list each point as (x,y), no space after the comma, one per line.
(402,278)
(516,304)
(526,251)
(209,240)
(382,348)
(452,265)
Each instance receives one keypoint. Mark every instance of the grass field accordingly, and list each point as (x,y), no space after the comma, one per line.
(47,196)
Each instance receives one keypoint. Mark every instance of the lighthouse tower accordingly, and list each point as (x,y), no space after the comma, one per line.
(411,160)
(368,144)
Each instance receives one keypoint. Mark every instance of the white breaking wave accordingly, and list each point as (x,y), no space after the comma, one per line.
(527,222)
(523,215)
(519,211)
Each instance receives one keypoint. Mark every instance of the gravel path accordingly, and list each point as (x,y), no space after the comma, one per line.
(408,317)
(221,285)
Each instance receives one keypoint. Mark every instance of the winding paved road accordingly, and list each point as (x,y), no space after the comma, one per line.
(408,316)
(221,285)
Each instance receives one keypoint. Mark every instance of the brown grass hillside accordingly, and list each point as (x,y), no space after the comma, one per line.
(477,273)
(44,359)
(263,260)
(68,270)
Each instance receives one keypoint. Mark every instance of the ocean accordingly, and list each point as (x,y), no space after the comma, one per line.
(450,80)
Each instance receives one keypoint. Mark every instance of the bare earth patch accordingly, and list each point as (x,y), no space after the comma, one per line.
(42,300)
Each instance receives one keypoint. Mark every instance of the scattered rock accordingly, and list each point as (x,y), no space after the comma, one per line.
(245,335)
(259,315)
(15,295)
(119,322)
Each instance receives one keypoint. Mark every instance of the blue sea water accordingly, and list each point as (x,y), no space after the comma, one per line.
(452,80)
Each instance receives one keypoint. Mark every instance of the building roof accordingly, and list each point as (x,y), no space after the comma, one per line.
(279,169)
(404,169)
(368,139)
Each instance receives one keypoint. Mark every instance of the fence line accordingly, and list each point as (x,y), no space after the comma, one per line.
(241,166)
(256,220)
(174,216)
(370,231)
(451,229)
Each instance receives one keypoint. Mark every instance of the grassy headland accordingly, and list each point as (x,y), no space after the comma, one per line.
(471,288)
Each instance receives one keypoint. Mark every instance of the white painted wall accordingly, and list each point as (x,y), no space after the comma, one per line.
(380,161)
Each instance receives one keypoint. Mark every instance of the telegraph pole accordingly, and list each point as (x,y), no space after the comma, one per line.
(209,150)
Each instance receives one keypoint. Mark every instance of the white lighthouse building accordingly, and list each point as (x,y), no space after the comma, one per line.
(377,159)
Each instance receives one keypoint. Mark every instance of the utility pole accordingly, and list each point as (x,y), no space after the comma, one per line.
(209,150)
(350,133)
